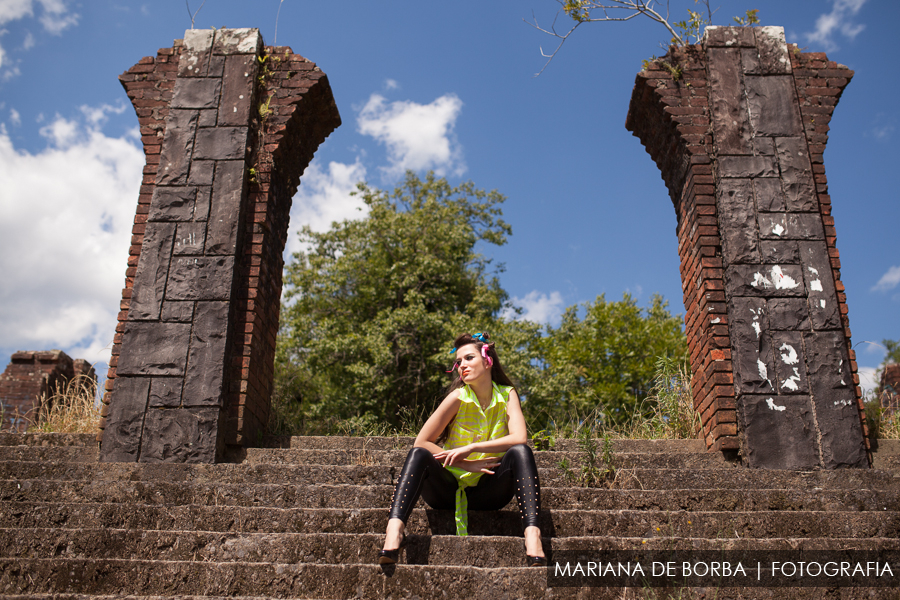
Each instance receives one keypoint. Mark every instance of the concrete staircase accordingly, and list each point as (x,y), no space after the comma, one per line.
(304,520)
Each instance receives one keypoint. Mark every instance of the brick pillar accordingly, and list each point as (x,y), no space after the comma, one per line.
(228,127)
(738,126)
(32,377)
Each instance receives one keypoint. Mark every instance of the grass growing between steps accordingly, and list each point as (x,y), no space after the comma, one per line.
(71,410)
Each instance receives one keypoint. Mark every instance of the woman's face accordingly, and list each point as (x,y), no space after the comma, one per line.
(471,364)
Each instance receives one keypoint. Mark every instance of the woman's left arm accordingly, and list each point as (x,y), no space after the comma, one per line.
(518,434)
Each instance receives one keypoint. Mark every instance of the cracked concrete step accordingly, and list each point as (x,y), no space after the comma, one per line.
(170,578)
(389,458)
(320,548)
(633,478)
(48,439)
(379,496)
(554,523)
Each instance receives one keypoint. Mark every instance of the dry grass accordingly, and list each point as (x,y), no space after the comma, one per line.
(70,410)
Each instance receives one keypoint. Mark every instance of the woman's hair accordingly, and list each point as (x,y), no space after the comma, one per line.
(498,375)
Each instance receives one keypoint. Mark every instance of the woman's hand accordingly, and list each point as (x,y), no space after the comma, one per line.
(482,465)
(453,458)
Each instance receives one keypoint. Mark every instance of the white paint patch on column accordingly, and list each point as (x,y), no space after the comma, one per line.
(792,381)
(788,354)
(782,281)
(755,324)
(764,372)
(771,403)
(778,229)
(760,280)
(843,402)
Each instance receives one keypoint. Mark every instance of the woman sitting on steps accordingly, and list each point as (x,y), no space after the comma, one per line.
(484,461)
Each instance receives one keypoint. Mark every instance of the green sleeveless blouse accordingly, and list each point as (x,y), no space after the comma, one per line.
(471,425)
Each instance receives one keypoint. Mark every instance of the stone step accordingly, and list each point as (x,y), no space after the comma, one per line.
(387,458)
(379,496)
(48,439)
(633,478)
(320,548)
(78,578)
(554,523)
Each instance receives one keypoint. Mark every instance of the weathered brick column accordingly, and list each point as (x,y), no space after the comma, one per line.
(737,125)
(228,126)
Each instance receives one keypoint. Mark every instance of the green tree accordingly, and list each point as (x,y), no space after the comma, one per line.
(605,360)
(372,303)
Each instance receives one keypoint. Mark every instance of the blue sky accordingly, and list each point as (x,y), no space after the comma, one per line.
(447,86)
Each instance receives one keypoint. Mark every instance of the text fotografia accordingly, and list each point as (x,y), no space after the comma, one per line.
(730,568)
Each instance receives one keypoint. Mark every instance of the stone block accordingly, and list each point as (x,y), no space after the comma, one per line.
(205,381)
(125,421)
(237,41)
(194,60)
(196,92)
(747,166)
(773,51)
(751,351)
(152,272)
(216,66)
(201,206)
(788,314)
(178,312)
(181,435)
(225,208)
(189,238)
(731,126)
(153,349)
(165,392)
(796,173)
(221,143)
(763,146)
(237,93)
(769,281)
(201,278)
(175,155)
(775,252)
(729,37)
(790,366)
(172,204)
(772,102)
(824,312)
(208,118)
(790,226)
(769,195)
(736,212)
(202,172)
(750,61)
(834,396)
(779,432)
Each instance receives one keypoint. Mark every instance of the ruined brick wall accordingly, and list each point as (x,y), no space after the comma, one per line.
(228,127)
(738,125)
(32,377)
(890,388)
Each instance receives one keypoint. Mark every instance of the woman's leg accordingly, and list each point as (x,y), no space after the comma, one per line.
(517,474)
(421,475)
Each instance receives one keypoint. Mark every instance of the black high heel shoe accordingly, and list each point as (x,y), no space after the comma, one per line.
(535,561)
(390,557)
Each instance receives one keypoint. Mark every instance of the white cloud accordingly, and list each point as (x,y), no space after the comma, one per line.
(65,227)
(839,20)
(539,307)
(888,281)
(867,380)
(14,117)
(417,136)
(323,198)
(391,84)
(56,16)
(29,41)
(13,10)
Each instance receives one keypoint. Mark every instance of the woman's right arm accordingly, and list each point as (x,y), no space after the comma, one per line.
(437,422)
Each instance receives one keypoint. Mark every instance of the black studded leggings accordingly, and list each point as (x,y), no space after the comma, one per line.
(423,475)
